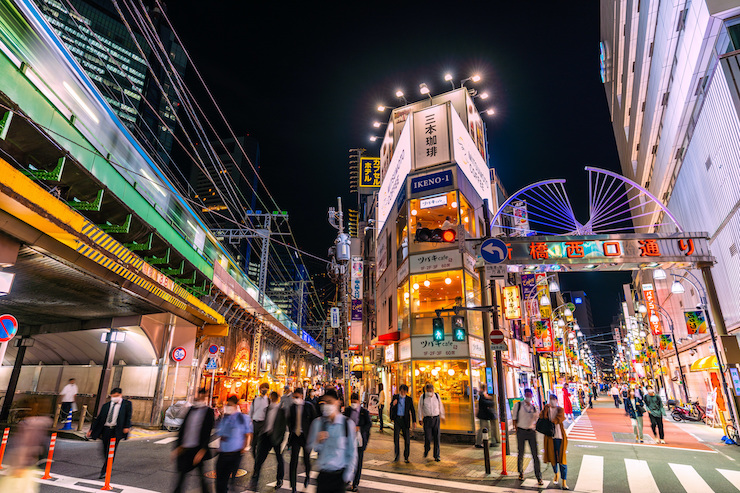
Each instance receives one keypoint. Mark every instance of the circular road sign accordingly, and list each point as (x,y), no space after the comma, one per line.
(213,349)
(178,354)
(8,327)
(494,251)
(497,337)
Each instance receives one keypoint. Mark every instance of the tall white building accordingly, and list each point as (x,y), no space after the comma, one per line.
(671,71)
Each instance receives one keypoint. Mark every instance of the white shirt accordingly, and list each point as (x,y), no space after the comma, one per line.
(526,416)
(553,414)
(114,419)
(614,391)
(381,398)
(431,406)
(69,392)
(259,408)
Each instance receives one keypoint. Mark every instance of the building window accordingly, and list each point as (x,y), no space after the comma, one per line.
(473,298)
(430,292)
(467,216)
(402,237)
(404,302)
(451,380)
(434,211)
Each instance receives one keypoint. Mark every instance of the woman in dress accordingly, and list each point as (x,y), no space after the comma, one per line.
(567,406)
(557,445)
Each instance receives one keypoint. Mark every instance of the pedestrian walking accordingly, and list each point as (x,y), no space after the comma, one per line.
(404,418)
(656,411)
(635,408)
(113,421)
(69,397)
(556,446)
(333,438)
(191,447)
(286,399)
(524,416)
(485,416)
(361,419)
(590,397)
(614,392)
(431,412)
(625,394)
(235,432)
(257,412)
(300,416)
(381,405)
(273,433)
(567,403)
(595,389)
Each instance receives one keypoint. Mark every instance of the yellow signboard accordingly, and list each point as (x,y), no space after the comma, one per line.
(512,303)
(370,172)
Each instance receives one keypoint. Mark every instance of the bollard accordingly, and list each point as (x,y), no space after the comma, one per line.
(52,444)
(486,452)
(82,418)
(3,444)
(503,449)
(56,416)
(68,421)
(109,466)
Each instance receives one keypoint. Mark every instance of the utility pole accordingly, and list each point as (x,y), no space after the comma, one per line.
(339,273)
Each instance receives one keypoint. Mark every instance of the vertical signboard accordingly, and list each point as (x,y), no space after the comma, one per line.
(431,136)
(355,330)
(369,174)
(520,218)
(652,305)
(512,303)
(543,340)
(469,159)
(696,323)
(256,340)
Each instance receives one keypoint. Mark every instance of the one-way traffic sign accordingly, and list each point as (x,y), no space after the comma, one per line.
(494,251)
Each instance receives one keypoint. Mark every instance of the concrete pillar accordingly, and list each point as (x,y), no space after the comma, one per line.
(105,373)
(163,371)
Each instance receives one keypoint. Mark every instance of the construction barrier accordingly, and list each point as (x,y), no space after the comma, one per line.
(3,444)
(109,465)
(51,457)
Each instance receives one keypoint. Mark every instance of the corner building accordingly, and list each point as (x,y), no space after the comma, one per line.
(434,179)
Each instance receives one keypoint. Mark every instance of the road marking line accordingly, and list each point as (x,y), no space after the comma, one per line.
(532,483)
(71,483)
(591,474)
(646,445)
(731,476)
(639,477)
(166,440)
(690,479)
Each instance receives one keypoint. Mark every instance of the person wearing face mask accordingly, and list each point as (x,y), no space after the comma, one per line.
(334,439)
(258,412)
(113,421)
(191,447)
(404,416)
(656,411)
(300,416)
(361,419)
(556,446)
(524,417)
(273,433)
(235,431)
(431,411)
(635,409)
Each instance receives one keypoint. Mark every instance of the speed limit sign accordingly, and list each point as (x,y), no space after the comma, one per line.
(178,354)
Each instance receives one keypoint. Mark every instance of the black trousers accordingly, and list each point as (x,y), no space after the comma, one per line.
(227,466)
(358,470)
(298,443)
(399,427)
(105,437)
(380,415)
(616,400)
(330,482)
(431,434)
(522,437)
(185,465)
(264,450)
(657,421)
(66,408)
(258,425)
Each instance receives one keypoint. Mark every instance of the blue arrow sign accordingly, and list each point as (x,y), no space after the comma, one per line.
(494,251)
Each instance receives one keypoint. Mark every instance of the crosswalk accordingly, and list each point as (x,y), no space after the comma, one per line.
(594,474)
(582,429)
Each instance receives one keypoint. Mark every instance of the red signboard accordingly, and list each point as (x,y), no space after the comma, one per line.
(652,305)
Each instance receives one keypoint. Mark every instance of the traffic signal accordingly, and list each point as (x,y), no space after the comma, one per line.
(458,328)
(438,329)
(437,235)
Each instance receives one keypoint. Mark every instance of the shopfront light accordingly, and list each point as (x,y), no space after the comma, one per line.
(427,283)
(453,205)
(376,124)
(642,309)
(567,312)
(451,372)
(545,301)
(448,77)
(643,334)
(554,287)
(414,212)
(435,372)
(576,327)
(399,93)
(475,78)
(659,274)
(416,372)
(580,334)
(423,88)
(416,286)
(677,288)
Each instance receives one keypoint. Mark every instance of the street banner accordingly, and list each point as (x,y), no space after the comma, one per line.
(543,340)
(558,344)
(666,343)
(528,286)
(532,308)
(356,285)
(512,303)
(651,302)
(696,323)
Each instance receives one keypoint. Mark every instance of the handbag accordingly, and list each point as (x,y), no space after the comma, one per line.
(546,427)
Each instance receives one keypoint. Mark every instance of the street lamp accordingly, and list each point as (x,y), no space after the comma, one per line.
(677,287)
(654,319)
(545,300)
(659,274)
(448,78)
(554,287)
(474,78)
(399,95)
(642,309)
(567,312)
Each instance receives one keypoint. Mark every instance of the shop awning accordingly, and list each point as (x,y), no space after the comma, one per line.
(389,337)
(706,363)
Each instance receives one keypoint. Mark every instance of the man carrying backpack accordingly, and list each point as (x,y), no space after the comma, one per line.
(431,411)
(235,430)
(524,416)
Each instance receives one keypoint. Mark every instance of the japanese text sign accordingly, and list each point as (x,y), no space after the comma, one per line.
(434,261)
(370,172)
(431,136)
(652,305)
(696,323)
(512,303)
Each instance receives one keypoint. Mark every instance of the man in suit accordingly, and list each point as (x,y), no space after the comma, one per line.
(192,441)
(113,421)
(273,433)
(403,414)
(361,418)
(300,415)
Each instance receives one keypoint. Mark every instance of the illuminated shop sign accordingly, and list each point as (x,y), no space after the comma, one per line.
(430,182)
(433,202)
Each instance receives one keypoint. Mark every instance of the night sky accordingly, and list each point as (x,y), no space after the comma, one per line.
(306,80)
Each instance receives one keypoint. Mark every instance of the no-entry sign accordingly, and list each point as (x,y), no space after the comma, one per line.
(178,354)
(213,349)
(497,341)
(8,327)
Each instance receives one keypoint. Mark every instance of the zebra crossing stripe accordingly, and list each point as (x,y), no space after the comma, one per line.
(591,474)
(639,477)
(690,479)
(731,476)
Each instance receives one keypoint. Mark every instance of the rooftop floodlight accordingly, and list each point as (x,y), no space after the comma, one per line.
(654,319)
(399,95)
(484,95)
(545,301)
(377,124)
(448,77)
(642,308)
(490,112)
(373,138)
(677,288)
(381,107)
(568,312)
(423,88)
(554,287)
(475,78)
(658,274)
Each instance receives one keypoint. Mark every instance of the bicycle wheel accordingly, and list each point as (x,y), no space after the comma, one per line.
(732,433)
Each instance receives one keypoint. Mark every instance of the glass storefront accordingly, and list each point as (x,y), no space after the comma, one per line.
(451,379)
(431,292)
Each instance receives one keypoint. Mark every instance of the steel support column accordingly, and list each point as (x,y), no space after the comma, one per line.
(14,376)
(163,371)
